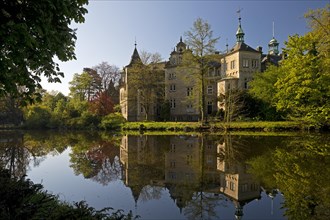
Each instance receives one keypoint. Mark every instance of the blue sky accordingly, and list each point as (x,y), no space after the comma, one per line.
(111,28)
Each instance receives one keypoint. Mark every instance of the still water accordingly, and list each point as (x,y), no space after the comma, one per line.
(227,176)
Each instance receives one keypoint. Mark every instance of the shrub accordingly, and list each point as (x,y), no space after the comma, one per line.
(37,117)
(112,121)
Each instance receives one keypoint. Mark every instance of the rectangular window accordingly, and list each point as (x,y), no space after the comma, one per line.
(172,87)
(244,187)
(173,148)
(232,64)
(172,101)
(245,83)
(211,71)
(232,186)
(189,159)
(254,63)
(209,107)
(172,164)
(245,63)
(172,175)
(209,159)
(172,76)
(189,91)
(209,90)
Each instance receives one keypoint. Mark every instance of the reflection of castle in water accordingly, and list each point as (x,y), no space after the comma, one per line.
(185,165)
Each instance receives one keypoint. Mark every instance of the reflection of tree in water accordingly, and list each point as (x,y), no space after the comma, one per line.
(203,206)
(109,171)
(300,169)
(13,155)
(150,192)
(203,202)
(99,163)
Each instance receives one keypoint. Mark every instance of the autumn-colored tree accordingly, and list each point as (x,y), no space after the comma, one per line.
(101,105)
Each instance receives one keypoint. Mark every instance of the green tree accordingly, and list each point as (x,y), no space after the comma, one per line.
(32,35)
(303,92)
(202,44)
(86,85)
(146,79)
(37,116)
(262,89)
(300,87)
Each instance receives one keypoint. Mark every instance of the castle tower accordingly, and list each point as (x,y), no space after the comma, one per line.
(135,58)
(239,33)
(273,45)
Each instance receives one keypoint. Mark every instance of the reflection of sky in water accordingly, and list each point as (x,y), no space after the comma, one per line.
(58,177)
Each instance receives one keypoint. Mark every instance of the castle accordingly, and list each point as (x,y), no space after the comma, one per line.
(233,69)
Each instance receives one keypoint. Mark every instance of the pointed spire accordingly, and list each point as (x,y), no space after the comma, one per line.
(180,38)
(239,33)
(135,58)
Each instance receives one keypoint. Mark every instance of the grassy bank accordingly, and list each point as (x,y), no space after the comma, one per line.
(214,126)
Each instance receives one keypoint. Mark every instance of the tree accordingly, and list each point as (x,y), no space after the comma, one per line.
(108,74)
(202,44)
(85,86)
(32,35)
(150,58)
(234,104)
(101,105)
(263,91)
(300,86)
(10,111)
(303,92)
(146,79)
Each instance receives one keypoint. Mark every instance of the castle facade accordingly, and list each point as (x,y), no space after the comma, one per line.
(178,87)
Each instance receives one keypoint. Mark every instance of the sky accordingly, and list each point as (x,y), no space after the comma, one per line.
(112,27)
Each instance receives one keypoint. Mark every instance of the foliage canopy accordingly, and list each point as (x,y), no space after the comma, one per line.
(32,34)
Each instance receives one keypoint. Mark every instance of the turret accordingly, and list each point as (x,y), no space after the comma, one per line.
(273,45)
(239,33)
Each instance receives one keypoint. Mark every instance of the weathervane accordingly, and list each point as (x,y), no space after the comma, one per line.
(239,13)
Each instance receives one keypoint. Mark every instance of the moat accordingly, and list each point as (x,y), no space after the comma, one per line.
(198,176)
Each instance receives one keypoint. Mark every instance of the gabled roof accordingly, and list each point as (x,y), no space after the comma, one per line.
(241,46)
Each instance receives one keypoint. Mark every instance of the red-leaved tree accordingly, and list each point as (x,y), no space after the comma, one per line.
(102,104)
